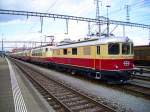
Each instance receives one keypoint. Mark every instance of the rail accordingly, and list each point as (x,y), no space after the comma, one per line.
(70,99)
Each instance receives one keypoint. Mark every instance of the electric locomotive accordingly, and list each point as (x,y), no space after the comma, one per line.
(109,59)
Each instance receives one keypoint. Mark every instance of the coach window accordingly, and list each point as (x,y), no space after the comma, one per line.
(131,48)
(58,52)
(113,48)
(125,48)
(98,50)
(46,49)
(74,51)
(65,51)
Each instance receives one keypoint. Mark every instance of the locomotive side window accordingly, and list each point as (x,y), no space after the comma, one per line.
(65,51)
(33,53)
(74,51)
(113,48)
(125,48)
(131,48)
(87,50)
(98,50)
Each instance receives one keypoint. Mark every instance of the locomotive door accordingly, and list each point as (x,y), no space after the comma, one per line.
(45,54)
(98,58)
(97,62)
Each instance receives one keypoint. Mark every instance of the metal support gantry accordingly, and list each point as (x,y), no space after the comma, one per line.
(102,20)
(31,43)
(22,42)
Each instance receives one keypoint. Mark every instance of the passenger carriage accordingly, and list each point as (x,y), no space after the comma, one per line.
(42,55)
(22,55)
(142,55)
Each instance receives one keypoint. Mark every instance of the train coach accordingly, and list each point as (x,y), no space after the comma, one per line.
(22,55)
(42,55)
(142,55)
(109,59)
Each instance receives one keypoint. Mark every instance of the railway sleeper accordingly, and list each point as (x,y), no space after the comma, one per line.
(57,91)
(57,107)
(47,96)
(73,99)
(83,107)
(54,104)
(68,101)
(55,87)
(51,101)
(95,109)
(80,102)
(61,110)
(68,95)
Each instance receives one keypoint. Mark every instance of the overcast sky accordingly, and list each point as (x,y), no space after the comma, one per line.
(23,28)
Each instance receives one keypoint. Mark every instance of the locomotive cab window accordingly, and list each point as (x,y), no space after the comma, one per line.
(74,51)
(65,51)
(98,50)
(113,48)
(125,48)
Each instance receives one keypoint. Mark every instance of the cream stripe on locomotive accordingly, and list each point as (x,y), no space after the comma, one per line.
(91,52)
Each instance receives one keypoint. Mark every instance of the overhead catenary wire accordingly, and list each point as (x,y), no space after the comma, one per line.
(41,18)
(134,5)
(51,6)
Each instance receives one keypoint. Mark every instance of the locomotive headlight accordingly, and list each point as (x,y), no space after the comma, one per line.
(116,66)
(133,65)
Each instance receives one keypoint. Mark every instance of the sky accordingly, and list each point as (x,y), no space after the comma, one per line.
(23,28)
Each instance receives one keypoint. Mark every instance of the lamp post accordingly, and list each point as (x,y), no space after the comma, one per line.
(2,42)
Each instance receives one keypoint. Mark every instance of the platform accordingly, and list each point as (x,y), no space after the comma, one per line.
(6,95)
(17,94)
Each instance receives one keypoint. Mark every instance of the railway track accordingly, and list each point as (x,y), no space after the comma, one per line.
(146,69)
(141,77)
(62,97)
(131,87)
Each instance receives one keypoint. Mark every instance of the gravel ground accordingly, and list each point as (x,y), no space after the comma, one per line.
(122,101)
